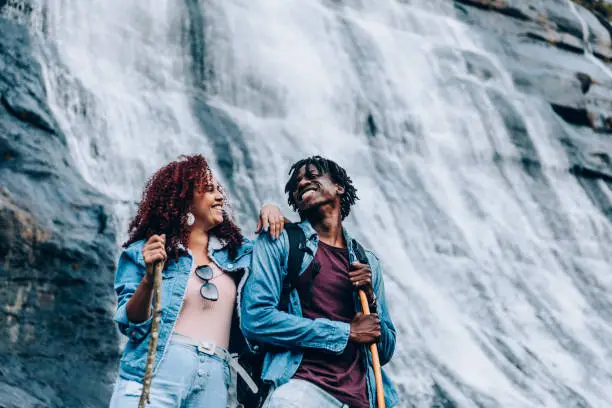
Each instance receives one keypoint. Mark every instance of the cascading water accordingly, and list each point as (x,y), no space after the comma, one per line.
(497,262)
(585,39)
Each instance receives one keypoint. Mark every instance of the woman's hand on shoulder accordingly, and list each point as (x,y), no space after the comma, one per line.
(271,219)
(153,251)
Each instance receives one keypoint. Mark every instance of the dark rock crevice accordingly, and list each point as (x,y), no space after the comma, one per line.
(25,108)
(499,7)
(591,173)
(575,116)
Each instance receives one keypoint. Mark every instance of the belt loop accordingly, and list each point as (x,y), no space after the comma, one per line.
(207,347)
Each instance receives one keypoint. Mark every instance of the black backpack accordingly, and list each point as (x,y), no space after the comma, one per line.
(253,362)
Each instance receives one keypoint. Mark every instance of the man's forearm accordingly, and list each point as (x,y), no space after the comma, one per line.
(270,326)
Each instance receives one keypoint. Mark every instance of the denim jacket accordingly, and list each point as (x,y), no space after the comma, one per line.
(130,271)
(262,322)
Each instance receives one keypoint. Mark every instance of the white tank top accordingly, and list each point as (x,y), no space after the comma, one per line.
(203,319)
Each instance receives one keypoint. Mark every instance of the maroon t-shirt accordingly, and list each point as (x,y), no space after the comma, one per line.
(343,376)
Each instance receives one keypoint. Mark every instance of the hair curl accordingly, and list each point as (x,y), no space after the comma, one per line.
(335,172)
(167,198)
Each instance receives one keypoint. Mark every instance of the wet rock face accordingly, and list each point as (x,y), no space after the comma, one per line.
(543,47)
(58,344)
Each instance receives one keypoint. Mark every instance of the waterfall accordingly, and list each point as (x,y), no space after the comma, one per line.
(497,262)
(588,49)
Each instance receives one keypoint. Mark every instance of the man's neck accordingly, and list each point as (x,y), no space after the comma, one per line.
(328,225)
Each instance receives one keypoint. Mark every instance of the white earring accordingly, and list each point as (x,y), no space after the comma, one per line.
(190,219)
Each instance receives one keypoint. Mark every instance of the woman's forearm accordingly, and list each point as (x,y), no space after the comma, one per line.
(138,308)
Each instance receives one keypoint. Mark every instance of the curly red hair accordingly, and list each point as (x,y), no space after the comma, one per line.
(167,198)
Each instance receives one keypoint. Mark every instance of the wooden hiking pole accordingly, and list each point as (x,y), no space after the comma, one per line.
(148,377)
(380,392)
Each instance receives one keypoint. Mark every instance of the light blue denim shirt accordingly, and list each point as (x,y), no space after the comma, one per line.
(262,322)
(130,271)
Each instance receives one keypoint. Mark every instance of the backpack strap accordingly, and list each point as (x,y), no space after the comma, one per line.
(363,258)
(360,252)
(297,243)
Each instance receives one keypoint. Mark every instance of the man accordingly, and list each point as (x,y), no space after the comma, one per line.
(317,351)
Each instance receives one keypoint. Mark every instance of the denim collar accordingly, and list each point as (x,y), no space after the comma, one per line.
(214,244)
(310,232)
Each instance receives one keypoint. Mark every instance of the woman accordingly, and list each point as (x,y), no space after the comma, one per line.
(182,221)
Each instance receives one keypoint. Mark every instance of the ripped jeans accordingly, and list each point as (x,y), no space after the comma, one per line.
(185,378)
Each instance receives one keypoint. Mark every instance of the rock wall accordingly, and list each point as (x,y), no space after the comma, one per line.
(58,344)
(541,44)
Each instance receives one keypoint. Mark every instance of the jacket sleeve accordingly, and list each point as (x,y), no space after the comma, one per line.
(262,322)
(128,277)
(386,345)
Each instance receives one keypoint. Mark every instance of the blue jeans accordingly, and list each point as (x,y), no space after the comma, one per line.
(186,378)
(301,394)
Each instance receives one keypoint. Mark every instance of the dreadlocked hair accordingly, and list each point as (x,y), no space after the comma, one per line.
(167,198)
(324,166)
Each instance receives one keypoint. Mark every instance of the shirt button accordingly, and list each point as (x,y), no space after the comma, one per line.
(230,266)
(200,373)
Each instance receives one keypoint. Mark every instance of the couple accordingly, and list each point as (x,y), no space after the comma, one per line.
(222,293)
